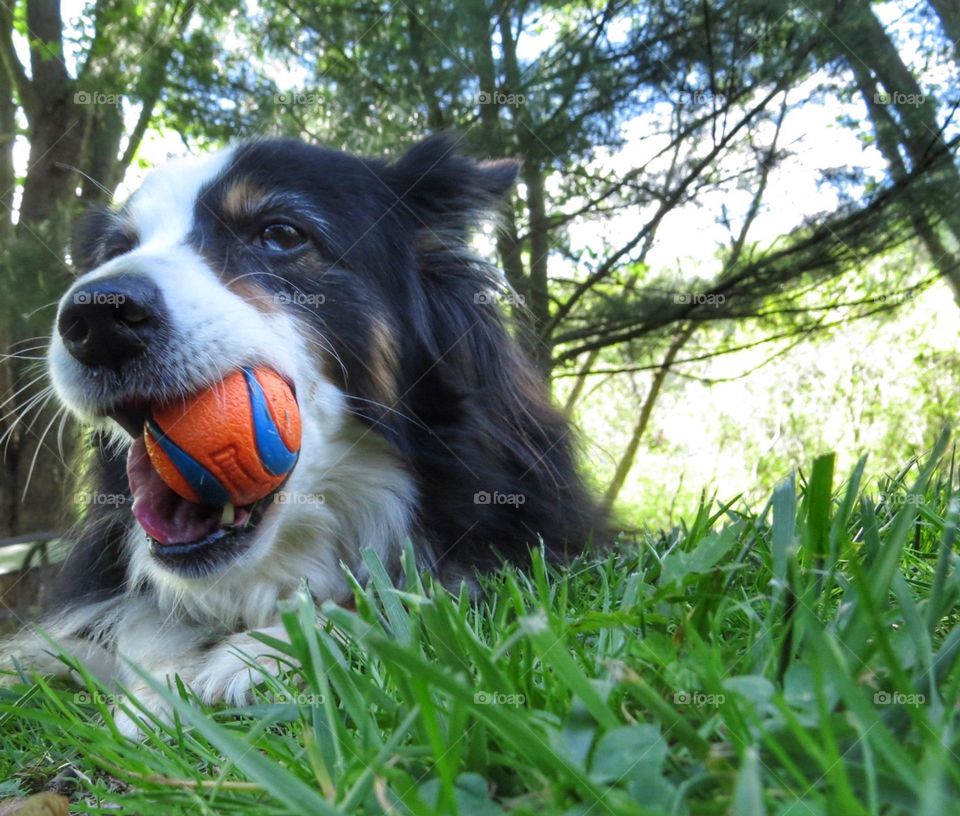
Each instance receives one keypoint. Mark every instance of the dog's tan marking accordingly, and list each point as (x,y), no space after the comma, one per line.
(242,199)
(263,301)
(383,360)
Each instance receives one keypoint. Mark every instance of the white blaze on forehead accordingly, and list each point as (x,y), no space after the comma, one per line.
(163,208)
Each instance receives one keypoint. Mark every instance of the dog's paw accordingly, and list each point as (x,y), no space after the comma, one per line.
(226,672)
(135,720)
(231,669)
(32,653)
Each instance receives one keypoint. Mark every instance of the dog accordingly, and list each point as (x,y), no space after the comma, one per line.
(422,419)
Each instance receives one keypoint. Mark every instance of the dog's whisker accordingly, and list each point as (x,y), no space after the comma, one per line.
(41,308)
(65,416)
(35,406)
(36,452)
(99,185)
(317,339)
(40,378)
(20,353)
(44,338)
(388,409)
(18,414)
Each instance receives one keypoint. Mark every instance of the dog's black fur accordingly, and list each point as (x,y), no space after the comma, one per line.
(422,349)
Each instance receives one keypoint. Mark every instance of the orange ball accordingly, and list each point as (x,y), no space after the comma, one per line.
(235,442)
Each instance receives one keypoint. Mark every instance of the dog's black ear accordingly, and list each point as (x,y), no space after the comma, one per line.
(441,187)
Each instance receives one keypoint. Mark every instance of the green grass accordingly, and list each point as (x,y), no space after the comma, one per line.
(798,660)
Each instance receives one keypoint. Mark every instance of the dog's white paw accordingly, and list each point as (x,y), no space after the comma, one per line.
(231,669)
(226,673)
(132,719)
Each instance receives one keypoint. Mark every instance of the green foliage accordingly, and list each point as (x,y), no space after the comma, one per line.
(882,386)
(801,659)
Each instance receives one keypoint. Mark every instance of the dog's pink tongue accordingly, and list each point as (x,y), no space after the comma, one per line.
(166,517)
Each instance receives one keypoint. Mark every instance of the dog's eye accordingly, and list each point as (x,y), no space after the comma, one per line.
(280,237)
(116,246)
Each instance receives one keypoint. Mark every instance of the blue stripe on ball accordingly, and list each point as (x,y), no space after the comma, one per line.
(201,480)
(276,458)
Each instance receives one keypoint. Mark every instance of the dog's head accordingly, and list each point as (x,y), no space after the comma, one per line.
(275,253)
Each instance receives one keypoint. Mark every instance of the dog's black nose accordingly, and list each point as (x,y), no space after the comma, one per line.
(109,321)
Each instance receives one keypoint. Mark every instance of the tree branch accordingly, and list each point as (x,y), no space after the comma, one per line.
(8,54)
(602,271)
(802,332)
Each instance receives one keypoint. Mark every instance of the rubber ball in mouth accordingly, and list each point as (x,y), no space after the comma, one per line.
(234,443)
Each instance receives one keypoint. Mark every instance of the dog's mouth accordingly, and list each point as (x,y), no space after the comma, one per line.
(188,538)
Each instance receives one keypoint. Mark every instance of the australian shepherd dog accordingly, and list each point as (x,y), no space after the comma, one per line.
(422,419)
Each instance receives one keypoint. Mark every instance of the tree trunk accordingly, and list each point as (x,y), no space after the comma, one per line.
(8,136)
(419,33)
(860,37)
(9,458)
(56,121)
(949,13)
(536,294)
(538,301)
(580,383)
(946,263)
(105,167)
(100,167)
(643,419)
